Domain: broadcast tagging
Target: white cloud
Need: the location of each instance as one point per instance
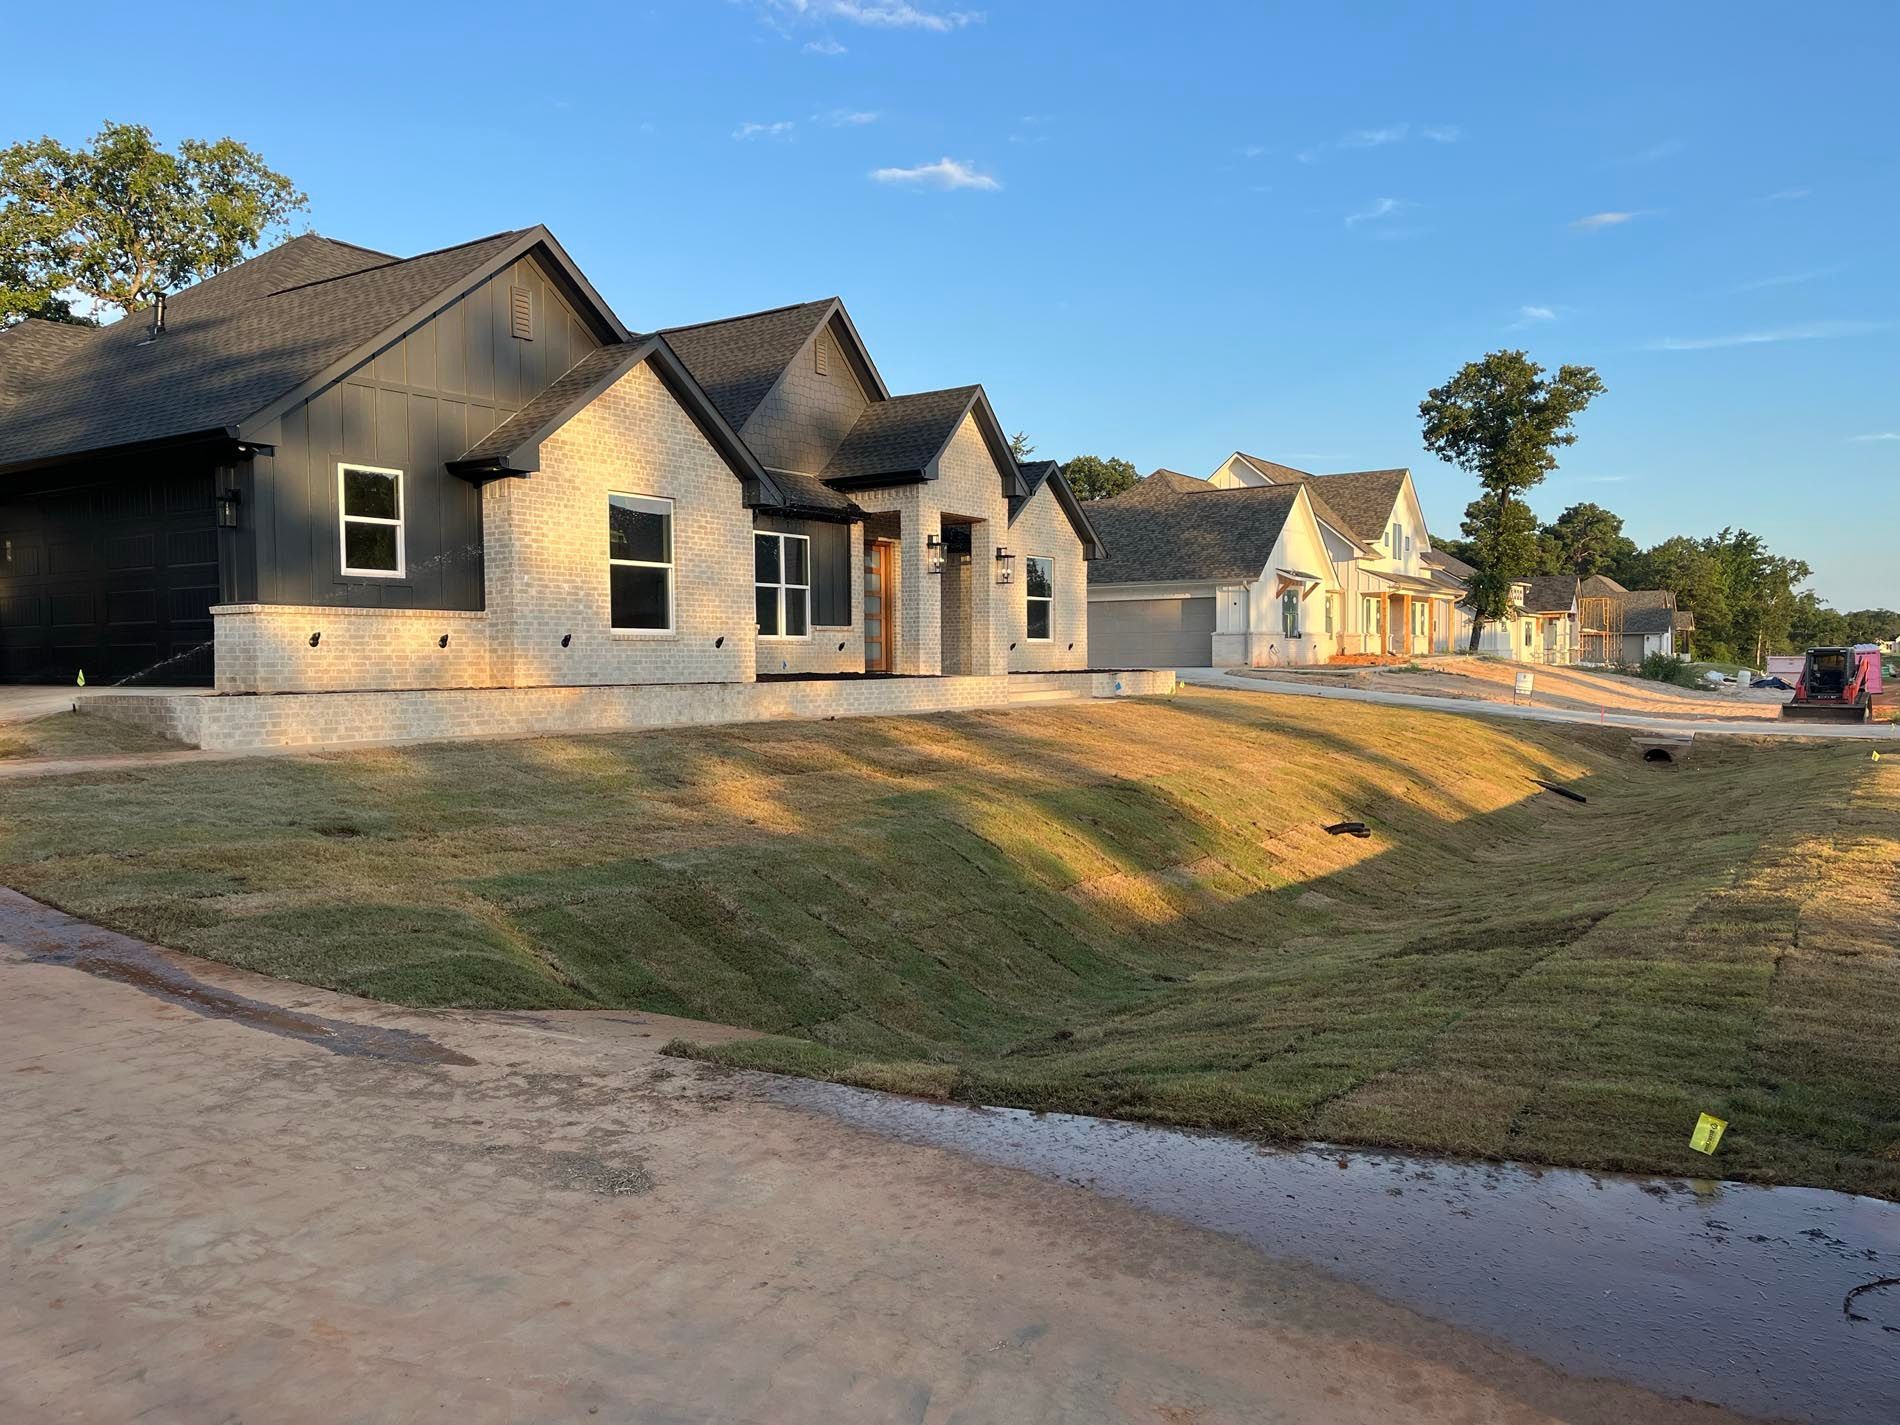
(1596, 222)
(1253, 150)
(1374, 138)
(1380, 138)
(825, 46)
(1808, 331)
(1382, 208)
(1527, 315)
(1786, 279)
(877, 14)
(1787, 195)
(847, 118)
(764, 131)
(946, 173)
(1655, 153)
(1879, 435)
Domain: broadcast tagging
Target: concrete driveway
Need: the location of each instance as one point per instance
(227, 1198)
(1635, 722)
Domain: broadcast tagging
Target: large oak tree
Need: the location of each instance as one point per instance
(119, 221)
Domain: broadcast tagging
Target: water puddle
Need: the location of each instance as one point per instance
(52, 937)
(1781, 1302)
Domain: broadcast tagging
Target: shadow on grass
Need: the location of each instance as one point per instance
(1123, 908)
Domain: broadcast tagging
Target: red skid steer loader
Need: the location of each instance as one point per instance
(1836, 685)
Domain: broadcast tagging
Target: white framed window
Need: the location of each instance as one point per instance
(1369, 615)
(781, 576)
(1398, 539)
(1039, 584)
(1331, 618)
(369, 512)
(640, 563)
(1290, 612)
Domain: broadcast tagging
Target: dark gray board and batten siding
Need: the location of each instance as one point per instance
(831, 565)
(414, 406)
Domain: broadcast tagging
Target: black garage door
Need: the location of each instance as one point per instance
(1151, 633)
(116, 579)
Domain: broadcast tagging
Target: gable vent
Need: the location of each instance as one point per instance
(821, 354)
(520, 313)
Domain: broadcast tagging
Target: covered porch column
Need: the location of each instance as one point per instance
(915, 625)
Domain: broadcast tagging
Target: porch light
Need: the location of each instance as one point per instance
(442, 642)
(227, 502)
(1005, 566)
(933, 554)
(316, 638)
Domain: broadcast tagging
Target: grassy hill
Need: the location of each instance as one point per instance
(1126, 908)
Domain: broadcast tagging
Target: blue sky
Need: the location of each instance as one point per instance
(1157, 231)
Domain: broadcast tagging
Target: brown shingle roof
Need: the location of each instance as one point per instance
(737, 360)
(1156, 487)
(901, 436)
(1450, 563)
(1227, 535)
(1551, 593)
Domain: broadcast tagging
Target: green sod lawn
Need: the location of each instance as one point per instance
(1126, 908)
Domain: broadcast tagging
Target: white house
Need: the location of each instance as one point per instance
(1193, 577)
(1231, 546)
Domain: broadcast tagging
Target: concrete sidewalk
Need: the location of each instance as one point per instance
(1636, 722)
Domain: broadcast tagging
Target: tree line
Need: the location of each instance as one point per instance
(1747, 600)
(1502, 418)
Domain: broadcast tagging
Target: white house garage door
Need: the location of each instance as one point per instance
(1151, 633)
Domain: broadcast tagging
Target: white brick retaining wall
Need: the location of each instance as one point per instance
(263, 722)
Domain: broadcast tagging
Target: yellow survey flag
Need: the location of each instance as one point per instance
(1708, 1133)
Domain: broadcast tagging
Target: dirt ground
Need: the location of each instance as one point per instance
(215, 1214)
(1575, 689)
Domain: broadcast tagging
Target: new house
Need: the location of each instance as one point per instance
(1542, 626)
(1621, 626)
(1262, 564)
(329, 469)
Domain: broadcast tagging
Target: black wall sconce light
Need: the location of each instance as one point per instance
(316, 638)
(227, 502)
(720, 642)
(841, 646)
(442, 642)
(1005, 566)
(567, 640)
(933, 553)
(1012, 648)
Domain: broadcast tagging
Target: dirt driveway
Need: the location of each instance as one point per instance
(1574, 689)
(227, 1198)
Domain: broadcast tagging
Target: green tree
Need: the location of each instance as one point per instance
(1095, 477)
(1686, 568)
(1021, 447)
(1586, 539)
(1872, 626)
(120, 220)
(1815, 625)
(1501, 419)
(1760, 591)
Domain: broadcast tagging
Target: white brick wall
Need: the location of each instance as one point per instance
(546, 550)
(265, 648)
(1041, 528)
(290, 720)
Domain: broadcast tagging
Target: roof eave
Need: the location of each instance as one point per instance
(212, 435)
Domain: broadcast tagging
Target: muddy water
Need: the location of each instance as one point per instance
(52, 937)
(1778, 1302)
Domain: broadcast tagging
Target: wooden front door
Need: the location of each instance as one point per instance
(880, 605)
